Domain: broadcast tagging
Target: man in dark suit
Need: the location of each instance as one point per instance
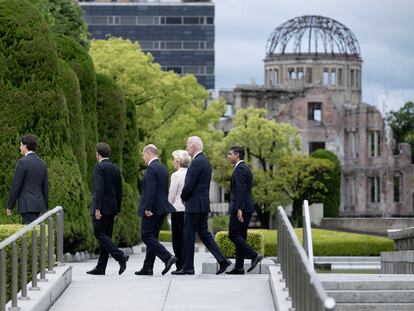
(196, 197)
(153, 208)
(241, 210)
(30, 184)
(106, 205)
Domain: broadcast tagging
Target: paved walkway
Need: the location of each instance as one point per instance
(131, 292)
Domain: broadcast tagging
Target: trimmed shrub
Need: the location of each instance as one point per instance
(333, 243)
(332, 199)
(254, 239)
(165, 236)
(79, 60)
(219, 223)
(111, 116)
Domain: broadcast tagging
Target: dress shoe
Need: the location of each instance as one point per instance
(144, 272)
(223, 266)
(95, 271)
(255, 261)
(122, 264)
(168, 264)
(236, 271)
(183, 272)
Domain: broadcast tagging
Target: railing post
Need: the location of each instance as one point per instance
(24, 269)
(51, 245)
(59, 244)
(42, 253)
(15, 273)
(2, 280)
(34, 260)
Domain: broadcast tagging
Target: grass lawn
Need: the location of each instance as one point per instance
(334, 243)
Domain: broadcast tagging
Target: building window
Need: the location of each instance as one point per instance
(315, 111)
(333, 77)
(325, 76)
(114, 20)
(352, 84)
(374, 144)
(397, 188)
(299, 73)
(352, 145)
(350, 197)
(308, 75)
(358, 78)
(374, 189)
(291, 73)
(315, 145)
(177, 70)
(340, 83)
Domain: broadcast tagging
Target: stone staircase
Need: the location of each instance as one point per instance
(373, 292)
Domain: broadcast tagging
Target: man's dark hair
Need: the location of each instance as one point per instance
(29, 141)
(103, 149)
(239, 150)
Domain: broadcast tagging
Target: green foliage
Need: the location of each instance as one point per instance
(300, 178)
(402, 124)
(5, 232)
(169, 107)
(218, 223)
(165, 236)
(332, 199)
(333, 243)
(80, 61)
(111, 116)
(254, 239)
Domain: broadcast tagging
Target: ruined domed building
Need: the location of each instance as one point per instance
(312, 80)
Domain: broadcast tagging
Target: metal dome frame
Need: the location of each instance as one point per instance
(335, 37)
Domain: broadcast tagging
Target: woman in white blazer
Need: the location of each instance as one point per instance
(181, 162)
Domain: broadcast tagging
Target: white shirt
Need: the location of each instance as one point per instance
(151, 161)
(28, 152)
(103, 159)
(197, 154)
(238, 163)
(176, 187)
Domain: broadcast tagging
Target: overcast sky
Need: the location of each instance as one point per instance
(383, 28)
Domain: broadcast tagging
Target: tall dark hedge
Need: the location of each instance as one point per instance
(333, 197)
(32, 101)
(80, 61)
(111, 125)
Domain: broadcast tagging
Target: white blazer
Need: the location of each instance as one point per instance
(176, 187)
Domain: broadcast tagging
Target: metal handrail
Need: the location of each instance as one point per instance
(12, 240)
(303, 283)
(307, 233)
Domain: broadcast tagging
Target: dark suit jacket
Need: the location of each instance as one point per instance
(154, 196)
(196, 190)
(241, 189)
(30, 185)
(107, 188)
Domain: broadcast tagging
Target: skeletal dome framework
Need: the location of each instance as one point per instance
(312, 34)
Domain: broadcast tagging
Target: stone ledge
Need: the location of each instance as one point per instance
(397, 234)
(280, 294)
(50, 291)
(211, 266)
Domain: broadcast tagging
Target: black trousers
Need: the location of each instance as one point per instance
(177, 228)
(102, 230)
(27, 218)
(238, 235)
(197, 223)
(150, 230)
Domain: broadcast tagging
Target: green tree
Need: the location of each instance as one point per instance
(301, 177)
(266, 143)
(332, 199)
(402, 124)
(169, 107)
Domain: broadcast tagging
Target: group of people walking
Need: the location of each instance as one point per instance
(186, 199)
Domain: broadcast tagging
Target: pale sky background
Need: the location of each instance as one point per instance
(384, 29)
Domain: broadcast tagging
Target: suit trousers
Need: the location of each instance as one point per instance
(150, 230)
(177, 228)
(102, 230)
(27, 218)
(197, 223)
(238, 235)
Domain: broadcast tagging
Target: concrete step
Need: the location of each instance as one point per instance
(374, 307)
(368, 285)
(372, 296)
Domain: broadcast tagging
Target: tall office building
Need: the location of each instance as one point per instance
(178, 33)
